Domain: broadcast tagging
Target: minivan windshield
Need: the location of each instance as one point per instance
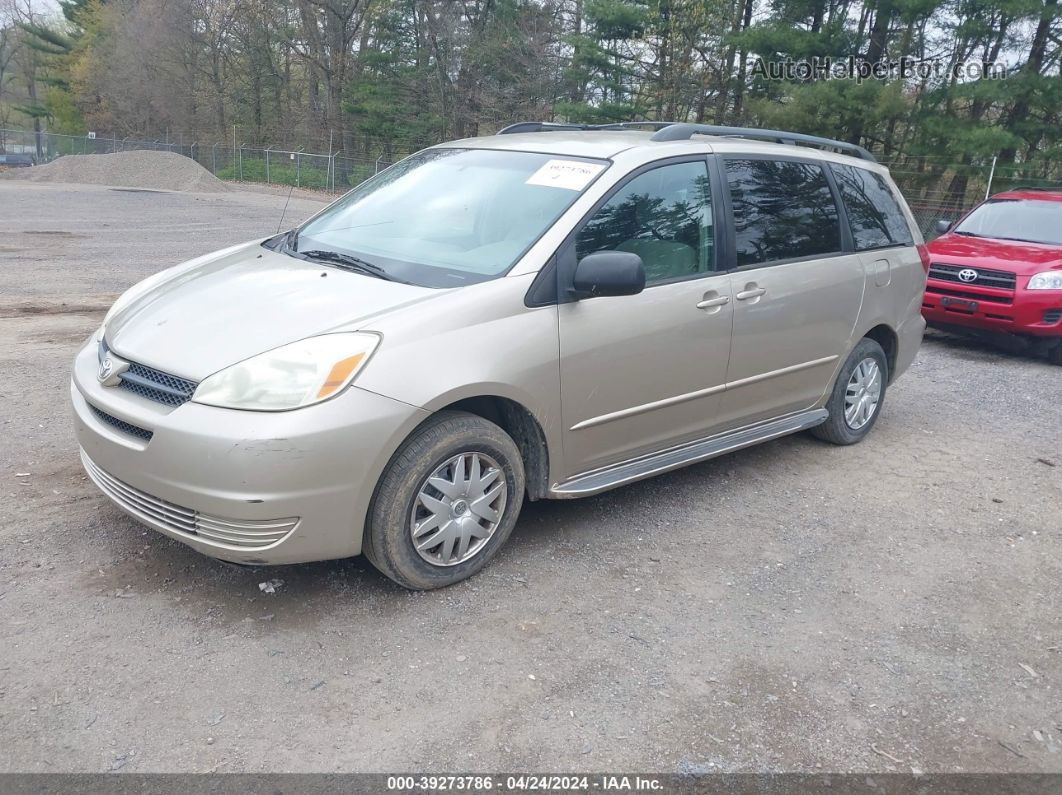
(1027, 220)
(447, 217)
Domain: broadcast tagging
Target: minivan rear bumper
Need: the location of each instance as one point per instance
(247, 487)
(910, 340)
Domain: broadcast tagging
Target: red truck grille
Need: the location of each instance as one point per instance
(1002, 280)
(970, 295)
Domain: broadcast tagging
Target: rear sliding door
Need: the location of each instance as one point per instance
(797, 292)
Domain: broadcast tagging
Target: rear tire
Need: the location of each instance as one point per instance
(858, 395)
(453, 489)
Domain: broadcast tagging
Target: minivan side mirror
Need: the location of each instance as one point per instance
(609, 273)
(943, 225)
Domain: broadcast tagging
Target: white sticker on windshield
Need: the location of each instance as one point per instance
(567, 174)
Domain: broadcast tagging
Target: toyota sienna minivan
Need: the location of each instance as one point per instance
(546, 313)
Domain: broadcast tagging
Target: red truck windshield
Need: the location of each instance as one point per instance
(1026, 220)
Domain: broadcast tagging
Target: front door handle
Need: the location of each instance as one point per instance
(750, 292)
(722, 300)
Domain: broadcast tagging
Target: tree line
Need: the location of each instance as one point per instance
(381, 78)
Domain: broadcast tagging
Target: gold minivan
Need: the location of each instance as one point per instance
(545, 313)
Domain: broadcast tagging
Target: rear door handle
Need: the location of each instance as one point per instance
(754, 292)
(722, 300)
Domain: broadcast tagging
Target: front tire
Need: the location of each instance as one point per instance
(446, 503)
(858, 395)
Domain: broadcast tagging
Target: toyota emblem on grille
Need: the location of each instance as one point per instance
(111, 370)
(968, 275)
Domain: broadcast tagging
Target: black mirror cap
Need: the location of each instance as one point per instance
(609, 273)
(943, 226)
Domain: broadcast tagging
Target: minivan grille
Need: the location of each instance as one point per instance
(147, 382)
(1003, 280)
(122, 425)
(156, 385)
(186, 521)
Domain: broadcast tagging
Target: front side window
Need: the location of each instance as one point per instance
(783, 210)
(450, 217)
(873, 212)
(664, 216)
(1025, 220)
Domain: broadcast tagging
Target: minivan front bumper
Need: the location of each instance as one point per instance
(248, 487)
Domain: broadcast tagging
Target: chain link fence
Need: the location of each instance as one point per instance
(934, 189)
(335, 173)
(937, 191)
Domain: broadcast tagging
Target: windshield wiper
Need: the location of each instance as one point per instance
(1001, 237)
(347, 262)
(1022, 240)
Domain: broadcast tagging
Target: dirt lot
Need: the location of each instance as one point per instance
(795, 606)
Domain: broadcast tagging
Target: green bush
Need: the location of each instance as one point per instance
(360, 173)
(281, 172)
(75, 146)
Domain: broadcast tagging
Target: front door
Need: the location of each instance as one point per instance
(797, 294)
(641, 372)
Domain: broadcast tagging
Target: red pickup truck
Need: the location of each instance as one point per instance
(999, 270)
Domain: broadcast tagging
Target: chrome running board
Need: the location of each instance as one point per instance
(598, 480)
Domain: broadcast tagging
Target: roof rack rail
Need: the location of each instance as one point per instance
(1047, 188)
(550, 126)
(541, 126)
(683, 131)
(625, 125)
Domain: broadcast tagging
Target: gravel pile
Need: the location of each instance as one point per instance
(137, 169)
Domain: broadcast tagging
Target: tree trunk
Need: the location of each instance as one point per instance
(739, 90)
(879, 36)
(1020, 108)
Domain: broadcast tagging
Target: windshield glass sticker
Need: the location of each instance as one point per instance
(567, 174)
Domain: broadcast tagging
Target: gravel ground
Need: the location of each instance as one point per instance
(81, 245)
(795, 606)
(135, 169)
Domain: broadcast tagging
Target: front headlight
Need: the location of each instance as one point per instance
(1048, 280)
(291, 376)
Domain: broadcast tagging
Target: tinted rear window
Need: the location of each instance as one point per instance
(782, 210)
(873, 212)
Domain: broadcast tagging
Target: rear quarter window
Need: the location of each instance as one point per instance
(874, 215)
(783, 209)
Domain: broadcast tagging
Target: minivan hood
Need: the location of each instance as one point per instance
(223, 308)
(1008, 255)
